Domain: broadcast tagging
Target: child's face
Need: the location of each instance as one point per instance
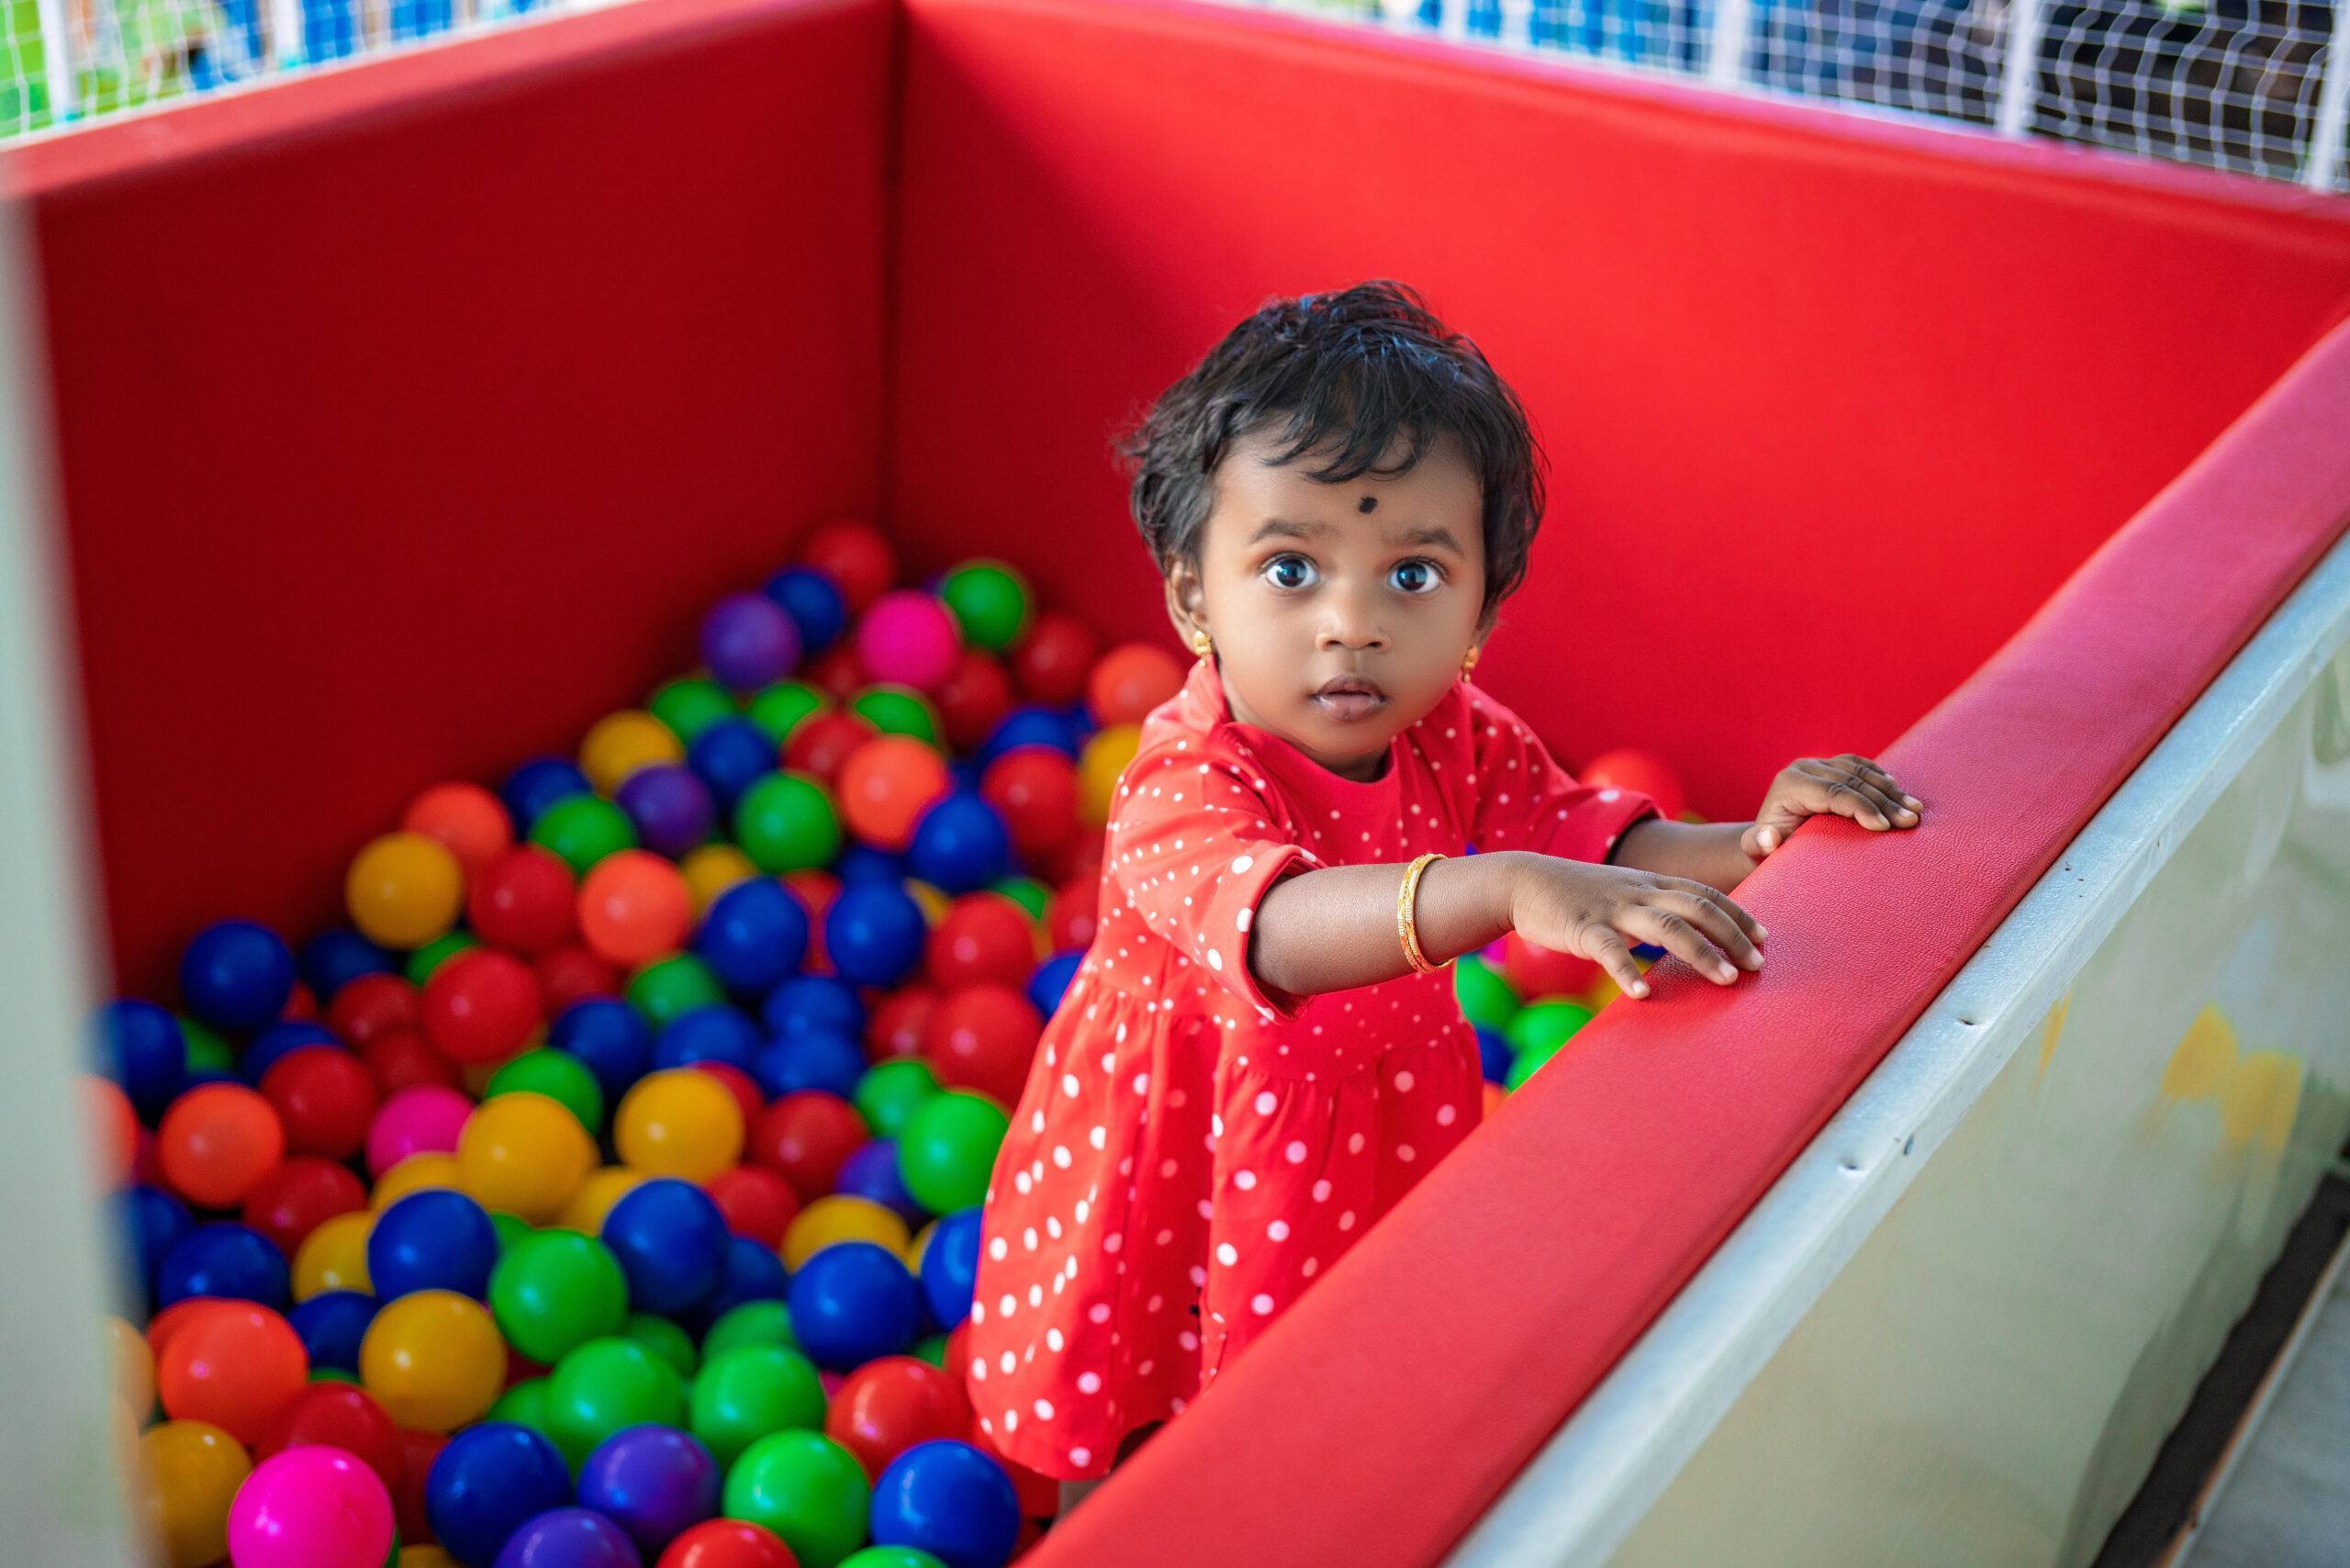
(1340, 612)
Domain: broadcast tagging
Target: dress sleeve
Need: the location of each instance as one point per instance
(1193, 846)
(1526, 800)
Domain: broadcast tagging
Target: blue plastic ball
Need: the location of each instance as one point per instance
(752, 1273)
(874, 934)
(820, 1058)
(237, 975)
(814, 603)
(1050, 982)
(1032, 725)
(569, 1537)
(670, 807)
(279, 1041)
(853, 1301)
(715, 1033)
(140, 1048)
(808, 1003)
(432, 1240)
(671, 1242)
(611, 1038)
(530, 789)
(950, 1500)
(149, 1220)
(730, 756)
(754, 935)
(224, 1259)
(1494, 1056)
(486, 1484)
(332, 959)
(871, 1172)
(863, 863)
(331, 1324)
(950, 1267)
(961, 845)
(655, 1482)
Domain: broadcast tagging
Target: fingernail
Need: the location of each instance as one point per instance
(1761, 931)
(1911, 800)
(1910, 814)
(1769, 837)
(1639, 987)
(1725, 970)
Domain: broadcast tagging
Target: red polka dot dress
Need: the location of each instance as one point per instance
(1192, 1150)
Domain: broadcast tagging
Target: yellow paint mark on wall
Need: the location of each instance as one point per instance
(2049, 1030)
(2262, 1098)
(2205, 1059)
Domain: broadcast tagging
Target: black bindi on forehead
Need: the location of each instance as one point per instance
(1369, 503)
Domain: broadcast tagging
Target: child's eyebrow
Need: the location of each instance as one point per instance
(1429, 533)
(1283, 528)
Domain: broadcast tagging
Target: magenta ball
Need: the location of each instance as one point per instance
(748, 640)
(908, 638)
(422, 1120)
(306, 1506)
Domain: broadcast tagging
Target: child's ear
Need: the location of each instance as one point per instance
(1186, 605)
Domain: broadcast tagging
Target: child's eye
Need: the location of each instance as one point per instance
(1290, 571)
(1416, 576)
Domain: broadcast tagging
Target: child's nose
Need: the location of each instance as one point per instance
(1353, 622)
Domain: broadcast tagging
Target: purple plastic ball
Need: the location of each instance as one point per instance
(749, 641)
(570, 1538)
(872, 1174)
(670, 806)
(655, 1482)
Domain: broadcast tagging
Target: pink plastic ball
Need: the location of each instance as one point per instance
(422, 1120)
(908, 638)
(308, 1506)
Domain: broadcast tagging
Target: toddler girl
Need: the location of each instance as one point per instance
(1262, 1052)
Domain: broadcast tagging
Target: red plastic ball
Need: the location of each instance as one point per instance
(1628, 769)
(301, 1004)
(526, 899)
(482, 1006)
(217, 1142)
(1034, 787)
(973, 699)
(888, 1405)
(757, 1202)
(983, 1038)
(1072, 916)
(325, 1096)
(337, 1415)
(807, 1137)
(1130, 681)
(404, 1058)
(1052, 662)
(1536, 972)
(815, 891)
(372, 1005)
(304, 1194)
(855, 555)
(634, 906)
(823, 742)
(727, 1543)
(574, 974)
(895, 1026)
(740, 1084)
(836, 673)
(236, 1364)
(114, 1129)
(983, 937)
(466, 819)
(417, 1450)
(885, 786)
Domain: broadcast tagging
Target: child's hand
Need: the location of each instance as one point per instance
(1846, 785)
(1575, 906)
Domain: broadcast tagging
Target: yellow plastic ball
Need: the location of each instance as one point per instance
(920, 1247)
(405, 890)
(134, 1368)
(841, 1218)
(334, 1257)
(931, 901)
(523, 1154)
(433, 1170)
(433, 1361)
(425, 1557)
(711, 869)
(595, 1197)
(621, 742)
(679, 1123)
(1104, 758)
(193, 1471)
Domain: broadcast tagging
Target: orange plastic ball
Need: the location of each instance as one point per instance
(405, 891)
(114, 1129)
(134, 1368)
(218, 1143)
(885, 785)
(433, 1361)
(235, 1365)
(1627, 769)
(634, 906)
(464, 819)
(678, 1122)
(1131, 680)
(193, 1471)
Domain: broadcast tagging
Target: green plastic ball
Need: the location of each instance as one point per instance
(525, 1405)
(668, 989)
(690, 707)
(663, 1338)
(606, 1386)
(933, 1349)
(891, 1557)
(433, 955)
(898, 710)
(582, 830)
(778, 708)
(948, 1149)
(1028, 894)
(206, 1050)
(561, 1077)
(890, 1092)
(556, 1290)
(332, 1375)
(1485, 998)
(1546, 1025)
(751, 1392)
(510, 1229)
(806, 1488)
(786, 823)
(752, 1323)
(989, 602)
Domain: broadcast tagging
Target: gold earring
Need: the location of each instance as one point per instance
(1467, 663)
(1201, 644)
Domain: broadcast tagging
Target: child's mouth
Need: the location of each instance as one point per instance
(1348, 698)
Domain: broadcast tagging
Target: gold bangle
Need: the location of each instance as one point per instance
(1406, 921)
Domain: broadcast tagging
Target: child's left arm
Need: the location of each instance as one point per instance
(1721, 854)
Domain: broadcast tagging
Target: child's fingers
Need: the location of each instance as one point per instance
(1714, 916)
(1833, 791)
(1603, 947)
(1652, 923)
(1882, 781)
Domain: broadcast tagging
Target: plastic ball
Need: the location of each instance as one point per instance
(404, 890)
(374, 1005)
(679, 1123)
(325, 1099)
(815, 602)
(852, 1301)
(299, 1196)
(486, 1484)
(755, 1203)
(670, 806)
(233, 1364)
(714, 868)
(960, 843)
(1051, 664)
(114, 1129)
(533, 789)
(633, 906)
(468, 821)
(1035, 790)
(807, 1137)
(619, 744)
(193, 1471)
(908, 638)
(690, 707)
(952, 1501)
(664, 1339)
(856, 558)
(755, 935)
(747, 641)
(874, 934)
(1627, 767)
(973, 700)
(1543, 1027)
(988, 601)
(728, 1543)
(556, 1074)
(729, 757)
(338, 1415)
(593, 1202)
(1131, 680)
(1485, 995)
(277, 1042)
(526, 899)
(556, 1290)
(610, 1038)
(569, 1537)
(708, 1035)
(333, 1258)
(423, 1120)
(655, 1482)
(839, 1217)
(784, 821)
(671, 1243)
(1072, 919)
(894, 1032)
(949, 1149)
(885, 786)
(417, 1453)
(143, 1050)
(871, 1176)
(335, 957)
(983, 1038)
(524, 1154)
(820, 747)
(606, 1387)
(807, 1489)
(426, 961)
(433, 1170)
(1534, 971)
(433, 1241)
(809, 1003)
(482, 1006)
(950, 1267)
(820, 1060)
(889, 1093)
(1051, 982)
(149, 1220)
(310, 1505)
(892, 1557)
(889, 1405)
(583, 830)
(237, 975)
(1494, 1056)
(898, 710)
(779, 710)
(218, 1143)
(740, 1084)
(331, 1324)
(667, 989)
(1098, 769)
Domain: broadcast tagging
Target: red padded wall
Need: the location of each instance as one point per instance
(407, 414)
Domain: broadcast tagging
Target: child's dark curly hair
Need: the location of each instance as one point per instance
(1363, 365)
